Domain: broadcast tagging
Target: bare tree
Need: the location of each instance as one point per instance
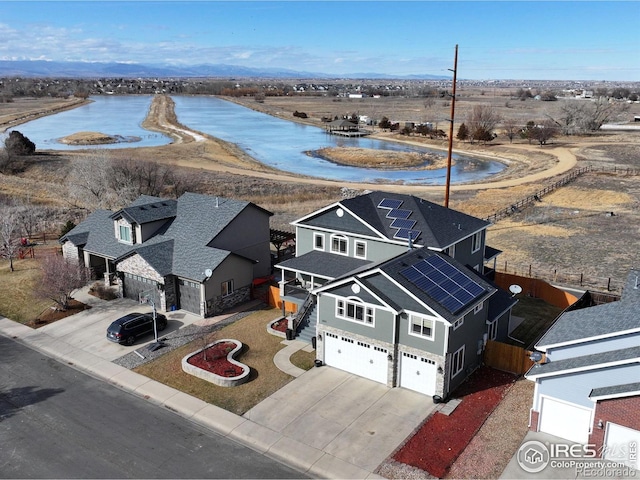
(30, 218)
(579, 117)
(543, 132)
(481, 122)
(89, 181)
(9, 236)
(511, 128)
(60, 277)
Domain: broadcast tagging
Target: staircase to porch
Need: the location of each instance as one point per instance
(307, 327)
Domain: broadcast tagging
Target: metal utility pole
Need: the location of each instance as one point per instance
(453, 111)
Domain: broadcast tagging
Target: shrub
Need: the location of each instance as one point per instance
(100, 290)
(17, 144)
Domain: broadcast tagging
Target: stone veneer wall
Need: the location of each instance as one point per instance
(136, 265)
(219, 304)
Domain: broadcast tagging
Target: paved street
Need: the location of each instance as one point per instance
(56, 422)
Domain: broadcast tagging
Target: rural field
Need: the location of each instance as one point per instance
(569, 231)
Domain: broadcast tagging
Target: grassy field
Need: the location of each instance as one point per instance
(17, 300)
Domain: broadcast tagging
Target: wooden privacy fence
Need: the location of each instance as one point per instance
(508, 358)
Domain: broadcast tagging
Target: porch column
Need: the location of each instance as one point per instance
(107, 273)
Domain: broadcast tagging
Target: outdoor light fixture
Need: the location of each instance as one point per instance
(600, 424)
(389, 357)
(440, 369)
(320, 337)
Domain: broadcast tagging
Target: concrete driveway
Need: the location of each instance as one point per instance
(349, 418)
(87, 330)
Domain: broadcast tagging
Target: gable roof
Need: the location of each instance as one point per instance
(601, 321)
(323, 264)
(179, 247)
(388, 281)
(439, 226)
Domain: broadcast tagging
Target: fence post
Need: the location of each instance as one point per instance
(581, 277)
(529, 270)
(609, 285)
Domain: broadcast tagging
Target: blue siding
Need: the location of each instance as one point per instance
(576, 387)
(589, 348)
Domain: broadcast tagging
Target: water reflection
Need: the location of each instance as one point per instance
(275, 142)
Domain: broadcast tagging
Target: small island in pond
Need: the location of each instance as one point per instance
(381, 159)
(96, 138)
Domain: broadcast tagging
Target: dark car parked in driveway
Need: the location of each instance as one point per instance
(126, 329)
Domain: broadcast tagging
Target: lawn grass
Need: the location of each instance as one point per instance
(259, 348)
(17, 300)
(538, 317)
(304, 360)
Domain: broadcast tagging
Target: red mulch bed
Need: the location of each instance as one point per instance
(216, 360)
(442, 438)
(280, 325)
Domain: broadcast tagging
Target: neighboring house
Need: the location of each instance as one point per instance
(391, 288)
(587, 390)
(198, 253)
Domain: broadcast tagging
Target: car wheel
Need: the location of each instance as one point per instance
(129, 340)
(162, 326)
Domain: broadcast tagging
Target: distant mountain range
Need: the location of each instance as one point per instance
(42, 68)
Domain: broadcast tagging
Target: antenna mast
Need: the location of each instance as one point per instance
(453, 110)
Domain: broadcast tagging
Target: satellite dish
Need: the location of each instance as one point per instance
(535, 356)
(515, 289)
(208, 272)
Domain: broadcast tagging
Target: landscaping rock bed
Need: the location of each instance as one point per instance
(215, 364)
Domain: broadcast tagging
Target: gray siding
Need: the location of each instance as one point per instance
(146, 230)
(470, 334)
(435, 346)
(587, 348)
(383, 321)
(576, 387)
(248, 235)
(463, 252)
(376, 250)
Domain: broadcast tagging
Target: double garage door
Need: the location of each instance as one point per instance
(359, 358)
(565, 420)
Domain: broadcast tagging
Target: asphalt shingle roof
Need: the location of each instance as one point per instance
(615, 390)
(595, 360)
(324, 264)
(179, 247)
(597, 321)
(440, 227)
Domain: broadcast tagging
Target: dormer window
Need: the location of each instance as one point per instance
(125, 234)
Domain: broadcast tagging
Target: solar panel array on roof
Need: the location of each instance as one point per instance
(390, 203)
(402, 223)
(445, 283)
(400, 220)
(399, 213)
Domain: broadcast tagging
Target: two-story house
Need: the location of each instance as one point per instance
(588, 388)
(198, 253)
(391, 287)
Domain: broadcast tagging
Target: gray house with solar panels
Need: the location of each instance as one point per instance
(395, 289)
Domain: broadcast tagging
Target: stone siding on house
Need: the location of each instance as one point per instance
(219, 304)
(136, 265)
(70, 252)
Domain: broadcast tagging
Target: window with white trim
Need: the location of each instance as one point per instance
(355, 311)
(457, 362)
(125, 233)
(478, 307)
(458, 323)
(339, 244)
(318, 241)
(360, 250)
(421, 326)
(227, 288)
(492, 330)
(476, 242)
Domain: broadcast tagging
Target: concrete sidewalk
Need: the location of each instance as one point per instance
(325, 423)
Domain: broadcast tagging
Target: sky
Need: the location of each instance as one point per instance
(531, 40)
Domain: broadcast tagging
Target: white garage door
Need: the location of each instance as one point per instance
(418, 373)
(620, 442)
(565, 420)
(356, 357)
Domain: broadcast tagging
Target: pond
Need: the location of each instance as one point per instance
(273, 141)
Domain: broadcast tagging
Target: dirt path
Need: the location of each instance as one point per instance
(215, 157)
